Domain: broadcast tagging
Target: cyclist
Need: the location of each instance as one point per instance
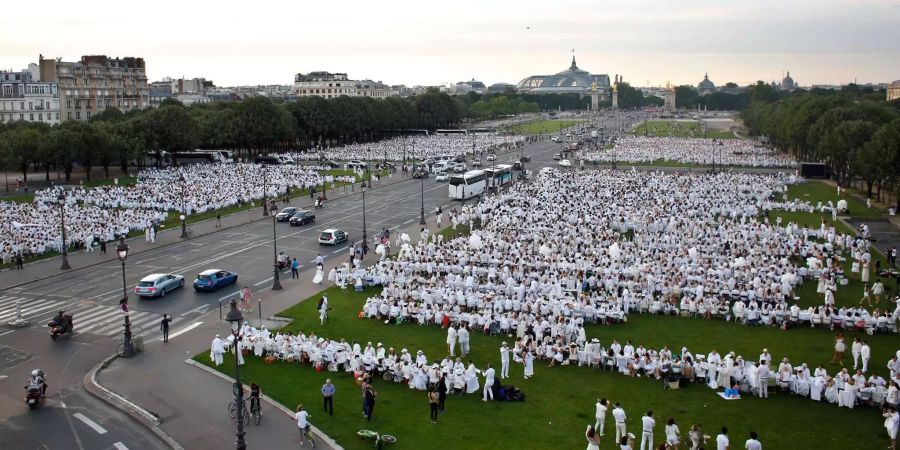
(302, 422)
(254, 398)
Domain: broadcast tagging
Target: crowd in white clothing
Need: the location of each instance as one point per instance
(417, 147)
(726, 152)
(363, 362)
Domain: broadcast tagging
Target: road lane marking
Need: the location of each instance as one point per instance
(120, 446)
(7, 332)
(264, 281)
(183, 330)
(94, 425)
(227, 296)
(200, 309)
(32, 310)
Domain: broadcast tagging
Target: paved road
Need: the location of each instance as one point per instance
(69, 418)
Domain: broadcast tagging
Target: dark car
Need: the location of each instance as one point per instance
(302, 217)
(525, 159)
(517, 165)
(267, 160)
(285, 214)
(420, 172)
(213, 279)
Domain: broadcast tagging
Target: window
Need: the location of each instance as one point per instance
(31, 117)
(41, 117)
(57, 115)
(30, 105)
(78, 115)
(69, 115)
(89, 115)
(21, 116)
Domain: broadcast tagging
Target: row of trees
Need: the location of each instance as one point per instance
(251, 127)
(853, 130)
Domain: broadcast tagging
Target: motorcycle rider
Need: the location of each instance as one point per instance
(37, 380)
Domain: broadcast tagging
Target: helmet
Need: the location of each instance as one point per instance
(35, 372)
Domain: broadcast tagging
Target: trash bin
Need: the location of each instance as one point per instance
(138, 343)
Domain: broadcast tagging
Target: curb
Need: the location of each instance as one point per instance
(322, 436)
(141, 415)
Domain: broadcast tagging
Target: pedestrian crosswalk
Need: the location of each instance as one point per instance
(103, 320)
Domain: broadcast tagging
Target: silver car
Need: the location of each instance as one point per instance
(158, 284)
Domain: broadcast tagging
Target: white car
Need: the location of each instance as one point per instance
(357, 164)
(442, 176)
(565, 163)
(333, 236)
(491, 157)
(158, 284)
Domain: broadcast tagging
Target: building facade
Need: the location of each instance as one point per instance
(333, 85)
(893, 91)
(571, 80)
(23, 96)
(97, 82)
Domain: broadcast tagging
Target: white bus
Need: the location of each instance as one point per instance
(467, 185)
(498, 175)
(451, 132)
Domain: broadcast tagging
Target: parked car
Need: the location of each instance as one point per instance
(158, 284)
(333, 236)
(302, 217)
(442, 176)
(213, 279)
(565, 163)
(285, 214)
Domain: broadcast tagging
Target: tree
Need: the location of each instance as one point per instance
(687, 97)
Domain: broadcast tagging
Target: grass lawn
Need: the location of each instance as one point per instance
(663, 128)
(815, 191)
(560, 400)
(543, 127)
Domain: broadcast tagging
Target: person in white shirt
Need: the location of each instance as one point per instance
(302, 418)
(451, 340)
(504, 362)
(488, 383)
(855, 349)
(647, 424)
(673, 434)
(865, 353)
(619, 416)
(722, 439)
(600, 414)
(463, 334)
(753, 443)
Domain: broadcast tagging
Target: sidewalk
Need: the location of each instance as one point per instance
(49, 267)
(190, 403)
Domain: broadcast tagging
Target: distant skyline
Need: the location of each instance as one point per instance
(649, 42)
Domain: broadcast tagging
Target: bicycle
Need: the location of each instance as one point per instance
(308, 435)
(255, 410)
(232, 411)
(380, 439)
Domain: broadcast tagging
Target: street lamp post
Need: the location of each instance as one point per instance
(276, 281)
(62, 225)
(365, 236)
(265, 205)
(368, 165)
(235, 318)
(422, 190)
(184, 233)
(127, 343)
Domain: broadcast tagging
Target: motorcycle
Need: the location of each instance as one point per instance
(284, 262)
(33, 397)
(60, 327)
(319, 203)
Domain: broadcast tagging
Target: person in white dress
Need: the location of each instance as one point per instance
(529, 364)
(673, 434)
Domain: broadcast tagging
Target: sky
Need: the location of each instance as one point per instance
(421, 42)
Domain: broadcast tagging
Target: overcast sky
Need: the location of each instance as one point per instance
(426, 42)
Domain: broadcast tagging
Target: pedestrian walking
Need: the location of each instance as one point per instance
(328, 390)
(433, 403)
(218, 219)
(442, 392)
(103, 246)
(295, 269)
(19, 262)
(245, 299)
(370, 401)
(164, 326)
